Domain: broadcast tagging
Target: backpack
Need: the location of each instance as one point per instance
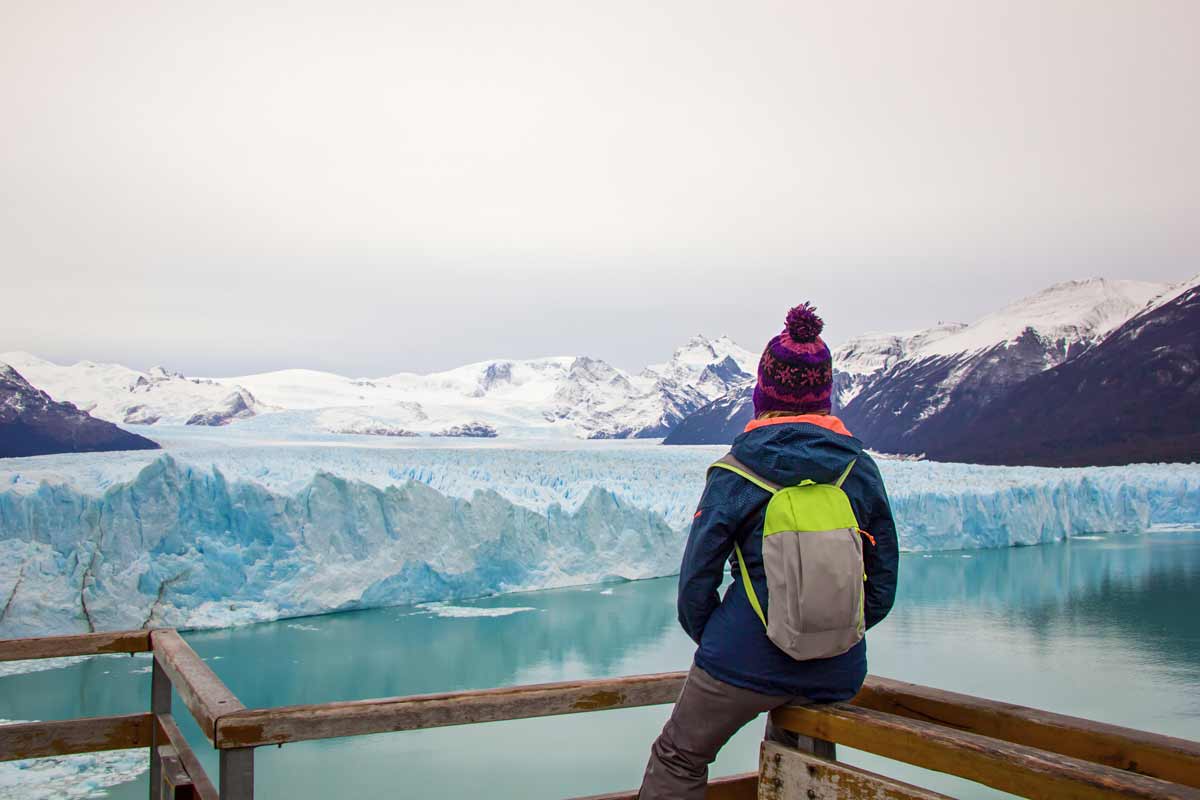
(813, 557)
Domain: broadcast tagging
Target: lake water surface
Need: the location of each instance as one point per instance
(1104, 627)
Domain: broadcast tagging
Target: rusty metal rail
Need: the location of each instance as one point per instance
(1021, 750)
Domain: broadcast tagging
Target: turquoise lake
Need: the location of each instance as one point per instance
(1104, 627)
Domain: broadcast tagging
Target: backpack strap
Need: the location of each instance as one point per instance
(728, 462)
(750, 594)
(846, 473)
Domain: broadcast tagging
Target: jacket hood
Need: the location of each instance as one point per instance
(787, 452)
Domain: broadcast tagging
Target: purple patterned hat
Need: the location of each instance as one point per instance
(795, 372)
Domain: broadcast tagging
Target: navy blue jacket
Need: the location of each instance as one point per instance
(734, 647)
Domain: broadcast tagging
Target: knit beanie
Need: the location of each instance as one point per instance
(795, 372)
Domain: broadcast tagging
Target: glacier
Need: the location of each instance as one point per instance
(222, 530)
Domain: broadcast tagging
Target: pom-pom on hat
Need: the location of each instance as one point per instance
(795, 372)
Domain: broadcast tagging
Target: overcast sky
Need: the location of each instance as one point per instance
(370, 187)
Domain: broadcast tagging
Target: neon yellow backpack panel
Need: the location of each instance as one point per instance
(813, 558)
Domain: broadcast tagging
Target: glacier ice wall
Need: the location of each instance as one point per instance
(172, 543)
(186, 547)
(941, 506)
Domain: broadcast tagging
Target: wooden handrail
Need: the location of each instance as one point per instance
(202, 691)
(1009, 747)
(789, 774)
(1021, 770)
(80, 644)
(70, 736)
(168, 731)
(174, 781)
(257, 727)
(1153, 754)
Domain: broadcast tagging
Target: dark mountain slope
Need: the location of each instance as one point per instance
(921, 402)
(31, 424)
(1135, 397)
(716, 422)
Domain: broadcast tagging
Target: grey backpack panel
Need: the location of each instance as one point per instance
(815, 586)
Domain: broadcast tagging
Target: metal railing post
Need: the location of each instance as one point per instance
(237, 774)
(160, 703)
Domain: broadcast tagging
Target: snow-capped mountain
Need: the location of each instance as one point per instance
(573, 396)
(1067, 318)
(128, 396)
(1133, 397)
(665, 394)
(907, 394)
(712, 366)
(861, 358)
(31, 423)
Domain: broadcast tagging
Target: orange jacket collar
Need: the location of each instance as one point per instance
(826, 421)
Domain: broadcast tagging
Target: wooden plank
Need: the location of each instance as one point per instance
(736, 787)
(168, 731)
(1159, 756)
(789, 774)
(817, 747)
(83, 644)
(1014, 768)
(237, 774)
(160, 703)
(732, 787)
(329, 720)
(176, 783)
(202, 691)
(67, 737)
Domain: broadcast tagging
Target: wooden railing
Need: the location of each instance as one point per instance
(1020, 750)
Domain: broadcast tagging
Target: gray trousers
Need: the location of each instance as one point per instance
(707, 714)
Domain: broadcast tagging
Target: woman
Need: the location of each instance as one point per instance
(738, 671)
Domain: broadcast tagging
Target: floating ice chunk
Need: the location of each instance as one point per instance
(465, 612)
(39, 665)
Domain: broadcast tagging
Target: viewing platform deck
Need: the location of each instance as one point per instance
(1023, 751)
